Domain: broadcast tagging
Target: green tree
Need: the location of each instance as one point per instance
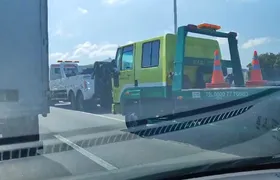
(270, 66)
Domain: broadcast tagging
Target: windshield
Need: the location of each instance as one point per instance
(129, 86)
(71, 70)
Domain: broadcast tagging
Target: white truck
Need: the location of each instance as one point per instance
(85, 90)
(24, 66)
(67, 84)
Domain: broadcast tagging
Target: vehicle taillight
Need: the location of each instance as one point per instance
(85, 84)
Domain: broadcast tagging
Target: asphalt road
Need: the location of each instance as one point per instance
(82, 142)
(71, 126)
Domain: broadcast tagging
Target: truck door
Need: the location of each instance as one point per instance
(125, 66)
(55, 77)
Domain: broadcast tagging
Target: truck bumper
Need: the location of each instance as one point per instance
(58, 95)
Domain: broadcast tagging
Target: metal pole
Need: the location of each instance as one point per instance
(175, 15)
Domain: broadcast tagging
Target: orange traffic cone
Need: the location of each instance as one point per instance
(217, 75)
(256, 78)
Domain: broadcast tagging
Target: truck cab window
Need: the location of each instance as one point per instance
(55, 73)
(118, 58)
(155, 53)
(146, 55)
(150, 54)
(127, 58)
(71, 71)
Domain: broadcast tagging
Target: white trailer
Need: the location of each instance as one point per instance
(24, 83)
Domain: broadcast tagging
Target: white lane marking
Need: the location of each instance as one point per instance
(103, 116)
(87, 154)
(211, 124)
(276, 129)
(107, 117)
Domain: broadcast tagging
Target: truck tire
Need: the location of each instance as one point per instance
(80, 103)
(133, 116)
(132, 120)
(21, 130)
(72, 100)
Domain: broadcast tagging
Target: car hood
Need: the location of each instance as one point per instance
(194, 160)
(48, 167)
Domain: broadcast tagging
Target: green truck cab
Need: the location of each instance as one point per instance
(151, 75)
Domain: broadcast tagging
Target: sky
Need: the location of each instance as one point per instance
(91, 30)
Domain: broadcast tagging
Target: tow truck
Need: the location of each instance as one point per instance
(85, 90)
(149, 76)
(66, 84)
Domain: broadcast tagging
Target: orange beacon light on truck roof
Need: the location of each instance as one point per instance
(208, 26)
(60, 61)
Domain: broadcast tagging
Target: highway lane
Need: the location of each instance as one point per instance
(104, 157)
(67, 123)
(62, 118)
(96, 153)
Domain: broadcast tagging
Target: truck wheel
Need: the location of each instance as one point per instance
(132, 120)
(73, 101)
(80, 102)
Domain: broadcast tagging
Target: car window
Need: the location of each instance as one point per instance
(127, 58)
(150, 54)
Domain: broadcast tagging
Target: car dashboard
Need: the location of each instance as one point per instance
(273, 174)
